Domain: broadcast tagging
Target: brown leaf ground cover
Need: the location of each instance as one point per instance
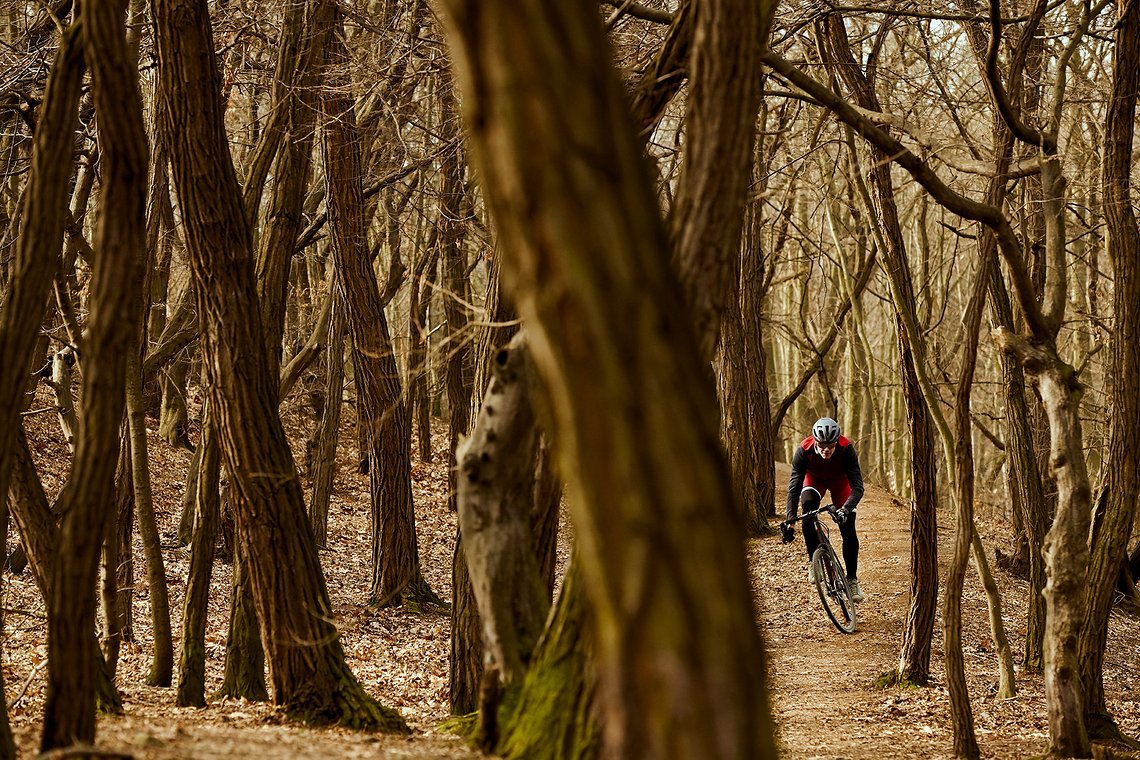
(824, 697)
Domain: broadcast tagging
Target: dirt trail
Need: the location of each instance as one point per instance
(822, 683)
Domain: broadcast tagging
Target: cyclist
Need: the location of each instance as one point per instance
(826, 461)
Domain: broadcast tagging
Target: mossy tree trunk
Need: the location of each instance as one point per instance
(551, 714)
(310, 677)
(681, 671)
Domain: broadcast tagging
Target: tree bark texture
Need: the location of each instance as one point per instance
(1111, 545)
(195, 607)
(914, 659)
(44, 210)
(635, 423)
(309, 674)
(723, 100)
(496, 494)
(112, 332)
(395, 557)
(552, 714)
(243, 675)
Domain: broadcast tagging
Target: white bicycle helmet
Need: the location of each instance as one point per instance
(825, 430)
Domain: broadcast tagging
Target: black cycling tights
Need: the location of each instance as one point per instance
(809, 502)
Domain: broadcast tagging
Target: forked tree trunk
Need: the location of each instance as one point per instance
(1111, 544)
(112, 330)
(396, 576)
(965, 740)
(310, 677)
(634, 413)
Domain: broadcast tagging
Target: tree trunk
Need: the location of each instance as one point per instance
(552, 716)
(112, 328)
(496, 495)
(324, 469)
(546, 513)
(583, 240)
(195, 608)
(914, 659)
(965, 740)
(396, 573)
(1111, 544)
(162, 665)
(244, 673)
(310, 677)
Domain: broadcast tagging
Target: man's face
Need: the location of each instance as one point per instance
(826, 450)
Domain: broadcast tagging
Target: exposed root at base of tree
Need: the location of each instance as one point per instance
(349, 707)
(894, 679)
(415, 597)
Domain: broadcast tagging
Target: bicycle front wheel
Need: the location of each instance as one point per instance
(834, 593)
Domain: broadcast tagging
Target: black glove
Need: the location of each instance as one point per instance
(842, 515)
(787, 533)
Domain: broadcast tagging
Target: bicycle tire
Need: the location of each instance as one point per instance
(834, 593)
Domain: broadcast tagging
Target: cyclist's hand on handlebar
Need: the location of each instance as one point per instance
(787, 533)
(842, 515)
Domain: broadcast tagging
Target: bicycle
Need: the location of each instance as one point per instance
(830, 577)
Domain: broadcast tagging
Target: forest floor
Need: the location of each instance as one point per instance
(822, 683)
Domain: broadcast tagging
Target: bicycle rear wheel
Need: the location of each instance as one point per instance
(834, 593)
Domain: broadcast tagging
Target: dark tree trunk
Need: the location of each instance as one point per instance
(1110, 547)
(324, 468)
(419, 409)
(192, 662)
(112, 331)
(395, 558)
(914, 659)
(310, 678)
(580, 227)
(244, 673)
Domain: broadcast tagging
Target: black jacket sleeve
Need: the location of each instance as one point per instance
(796, 481)
(854, 478)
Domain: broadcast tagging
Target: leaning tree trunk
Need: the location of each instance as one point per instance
(1111, 546)
(324, 468)
(914, 659)
(112, 328)
(396, 573)
(634, 413)
(310, 677)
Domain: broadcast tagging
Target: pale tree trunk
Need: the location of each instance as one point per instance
(396, 576)
(634, 413)
(310, 677)
(1111, 543)
(496, 493)
(112, 328)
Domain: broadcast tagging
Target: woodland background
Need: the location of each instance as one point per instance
(713, 220)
